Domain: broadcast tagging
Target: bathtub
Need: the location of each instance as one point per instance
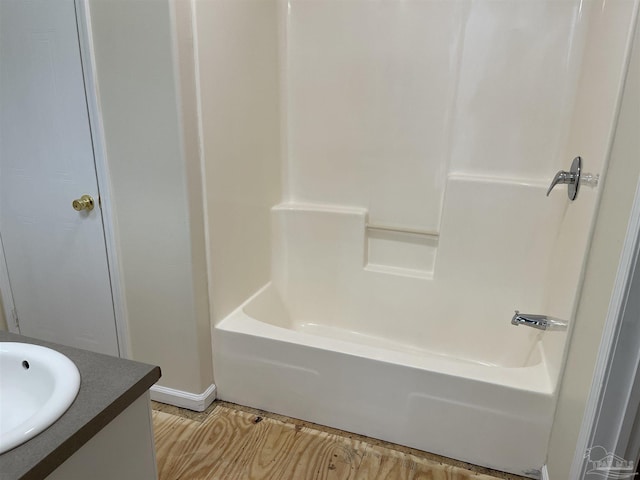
(403, 334)
(490, 415)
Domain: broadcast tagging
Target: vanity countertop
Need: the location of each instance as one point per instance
(108, 385)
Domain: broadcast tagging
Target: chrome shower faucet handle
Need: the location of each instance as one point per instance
(571, 178)
(574, 178)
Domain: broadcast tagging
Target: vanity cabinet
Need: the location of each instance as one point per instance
(106, 433)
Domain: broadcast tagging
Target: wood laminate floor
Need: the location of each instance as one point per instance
(232, 442)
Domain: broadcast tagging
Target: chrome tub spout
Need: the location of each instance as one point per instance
(541, 322)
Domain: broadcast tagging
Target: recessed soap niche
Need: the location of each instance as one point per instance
(400, 251)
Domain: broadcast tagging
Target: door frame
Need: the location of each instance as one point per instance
(85, 41)
(103, 177)
(6, 294)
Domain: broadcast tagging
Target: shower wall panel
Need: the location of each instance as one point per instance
(238, 66)
(517, 82)
(370, 89)
(385, 98)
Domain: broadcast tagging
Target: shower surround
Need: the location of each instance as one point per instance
(376, 175)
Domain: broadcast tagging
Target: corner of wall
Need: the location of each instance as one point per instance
(189, 125)
(147, 99)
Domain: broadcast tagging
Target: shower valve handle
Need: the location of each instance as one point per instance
(571, 178)
(561, 178)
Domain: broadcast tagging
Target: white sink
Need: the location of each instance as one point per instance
(37, 385)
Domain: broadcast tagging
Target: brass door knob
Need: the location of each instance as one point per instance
(85, 202)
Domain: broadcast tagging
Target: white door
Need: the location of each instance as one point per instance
(56, 256)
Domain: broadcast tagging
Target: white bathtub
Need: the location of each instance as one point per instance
(495, 416)
(406, 336)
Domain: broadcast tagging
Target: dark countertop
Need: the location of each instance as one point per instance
(108, 385)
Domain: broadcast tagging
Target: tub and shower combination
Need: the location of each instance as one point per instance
(425, 357)
(380, 266)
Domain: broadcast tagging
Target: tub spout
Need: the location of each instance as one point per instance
(541, 322)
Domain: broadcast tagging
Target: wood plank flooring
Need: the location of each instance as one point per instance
(233, 442)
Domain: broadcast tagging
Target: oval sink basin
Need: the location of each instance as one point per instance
(37, 385)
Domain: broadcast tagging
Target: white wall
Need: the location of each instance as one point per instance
(516, 88)
(601, 76)
(369, 90)
(238, 65)
(147, 97)
(618, 192)
(188, 108)
(384, 99)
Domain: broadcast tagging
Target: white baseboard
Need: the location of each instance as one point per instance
(192, 401)
(545, 473)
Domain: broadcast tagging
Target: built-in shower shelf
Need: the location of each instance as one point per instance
(404, 272)
(398, 229)
(317, 242)
(402, 251)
